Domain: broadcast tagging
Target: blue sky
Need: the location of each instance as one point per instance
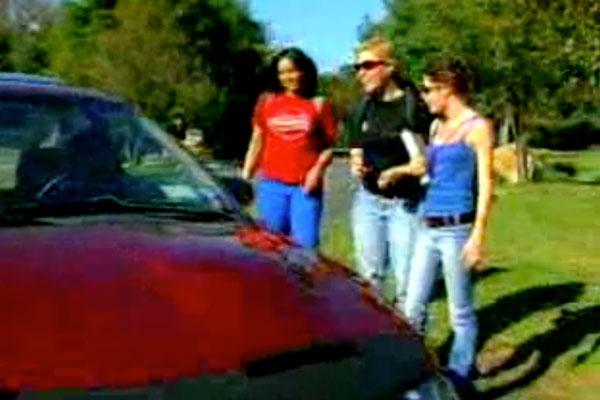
(325, 29)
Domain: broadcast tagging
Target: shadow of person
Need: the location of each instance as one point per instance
(514, 307)
(570, 328)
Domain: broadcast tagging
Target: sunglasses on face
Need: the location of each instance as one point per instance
(368, 65)
(425, 89)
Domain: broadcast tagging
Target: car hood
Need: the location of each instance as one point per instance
(105, 305)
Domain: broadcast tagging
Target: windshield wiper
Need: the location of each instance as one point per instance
(108, 204)
(182, 211)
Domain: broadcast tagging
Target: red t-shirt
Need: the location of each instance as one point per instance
(295, 131)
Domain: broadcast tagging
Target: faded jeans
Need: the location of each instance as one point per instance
(384, 233)
(445, 244)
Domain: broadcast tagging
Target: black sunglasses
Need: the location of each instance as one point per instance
(428, 89)
(369, 64)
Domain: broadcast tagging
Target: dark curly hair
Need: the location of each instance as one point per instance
(304, 64)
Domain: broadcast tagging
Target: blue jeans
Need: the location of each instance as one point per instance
(445, 244)
(384, 233)
(288, 210)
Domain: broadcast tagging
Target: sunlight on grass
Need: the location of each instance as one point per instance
(539, 301)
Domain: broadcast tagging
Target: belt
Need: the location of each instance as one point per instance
(450, 220)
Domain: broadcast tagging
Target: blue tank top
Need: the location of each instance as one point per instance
(452, 171)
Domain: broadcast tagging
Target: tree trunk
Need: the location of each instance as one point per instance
(507, 126)
(521, 148)
(511, 130)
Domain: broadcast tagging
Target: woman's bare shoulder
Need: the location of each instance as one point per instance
(481, 132)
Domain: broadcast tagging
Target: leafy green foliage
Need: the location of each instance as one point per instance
(73, 43)
(23, 33)
(344, 92)
(5, 48)
(539, 56)
(224, 45)
(573, 134)
(200, 62)
(187, 63)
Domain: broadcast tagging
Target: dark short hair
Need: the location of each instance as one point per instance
(452, 71)
(304, 64)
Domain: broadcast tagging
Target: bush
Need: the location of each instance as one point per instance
(568, 135)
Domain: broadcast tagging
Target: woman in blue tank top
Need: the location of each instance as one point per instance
(456, 209)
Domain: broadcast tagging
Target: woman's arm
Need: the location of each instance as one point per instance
(314, 176)
(253, 153)
(357, 164)
(416, 166)
(328, 125)
(481, 140)
(420, 121)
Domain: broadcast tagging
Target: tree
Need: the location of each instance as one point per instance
(221, 40)
(73, 42)
(5, 47)
(191, 60)
(344, 92)
(23, 31)
(529, 54)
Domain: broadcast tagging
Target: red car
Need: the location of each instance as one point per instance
(127, 270)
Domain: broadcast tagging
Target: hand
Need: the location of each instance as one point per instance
(313, 180)
(472, 252)
(245, 174)
(387, 177)
(357, 165)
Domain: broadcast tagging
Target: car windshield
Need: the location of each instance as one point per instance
(66, 150)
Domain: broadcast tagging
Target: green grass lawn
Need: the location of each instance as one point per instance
(539, 299)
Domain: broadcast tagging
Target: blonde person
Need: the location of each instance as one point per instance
(387, 158)
(293, 132)
(455, 209)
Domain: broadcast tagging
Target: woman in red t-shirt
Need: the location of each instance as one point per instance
(293, 132)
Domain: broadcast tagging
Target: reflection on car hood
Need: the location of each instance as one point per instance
(106, 305)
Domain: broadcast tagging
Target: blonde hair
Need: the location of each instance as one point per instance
(383, 48)
(379, 46)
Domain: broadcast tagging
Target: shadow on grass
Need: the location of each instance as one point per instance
(569, 330)
(514, 307)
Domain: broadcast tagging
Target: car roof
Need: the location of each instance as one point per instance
(27, 85)
(28, 79)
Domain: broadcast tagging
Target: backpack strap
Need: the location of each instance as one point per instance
(362, 111)
(433, 128)
(410, 106)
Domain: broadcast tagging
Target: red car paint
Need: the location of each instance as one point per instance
(103, 305)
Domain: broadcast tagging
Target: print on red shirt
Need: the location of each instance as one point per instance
(291, 124)
(295, 132)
